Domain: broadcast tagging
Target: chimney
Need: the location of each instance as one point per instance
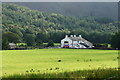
(71, 35)
(74, 35)
(80, 36)
(66, 36)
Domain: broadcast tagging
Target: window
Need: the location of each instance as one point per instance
(66, 42)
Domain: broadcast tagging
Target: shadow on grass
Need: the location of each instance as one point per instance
(99, 74)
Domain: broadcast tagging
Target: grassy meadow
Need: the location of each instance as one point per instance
(56, 61)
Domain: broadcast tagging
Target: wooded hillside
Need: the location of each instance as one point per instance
(51, 26)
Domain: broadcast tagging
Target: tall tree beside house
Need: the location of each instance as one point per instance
(5, 43)
(12, 37)
(17, 31)
(115, 40)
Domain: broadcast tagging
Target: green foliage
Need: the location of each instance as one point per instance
(12, 37)
(5, 43)
(115, 41)
(21, 44)
(52, 26)
(102, 45)
(43, 37)
(39, 43)
(104, 20)
(17, 31)
(29, 39)
(50, 43)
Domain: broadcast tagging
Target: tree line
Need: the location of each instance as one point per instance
(40, 38)
(21, 24)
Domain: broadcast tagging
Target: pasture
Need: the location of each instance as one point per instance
(56, 60)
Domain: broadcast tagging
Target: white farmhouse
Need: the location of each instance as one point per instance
(75, 42)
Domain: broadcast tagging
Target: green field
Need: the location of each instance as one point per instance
(47, 60)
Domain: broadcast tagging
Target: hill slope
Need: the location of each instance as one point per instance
(98, 9)
(24, 20)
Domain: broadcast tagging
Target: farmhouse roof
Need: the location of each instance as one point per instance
(12, 44)
(80, 39)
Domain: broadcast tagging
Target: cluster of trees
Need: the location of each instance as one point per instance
(115, 40)
(21, 24)
(9, 37)
(30, 40)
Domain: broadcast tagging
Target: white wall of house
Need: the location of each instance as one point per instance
(73, 44)
(76, 44)
(66, 39)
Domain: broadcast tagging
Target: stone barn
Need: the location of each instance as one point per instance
(12, 45)
(75, 42)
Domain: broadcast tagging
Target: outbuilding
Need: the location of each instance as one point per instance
(12, 45)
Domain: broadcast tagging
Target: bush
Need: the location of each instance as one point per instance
(50, 44)
(5, 44)
(101, 45)
(115, 40)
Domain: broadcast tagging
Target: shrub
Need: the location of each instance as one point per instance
(50, 44)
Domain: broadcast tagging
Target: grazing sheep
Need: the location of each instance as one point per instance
(59, 60)
(56, 68)
(38, 70)
(117, 57)
(90, 59)
(27, 71)
(50, 68)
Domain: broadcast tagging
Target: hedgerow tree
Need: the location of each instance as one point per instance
(5, 43)
(50, 43)
(30, 39)
(17, 31)
(42, 37)
(115, 40)
(12, 37)
(39, 42)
